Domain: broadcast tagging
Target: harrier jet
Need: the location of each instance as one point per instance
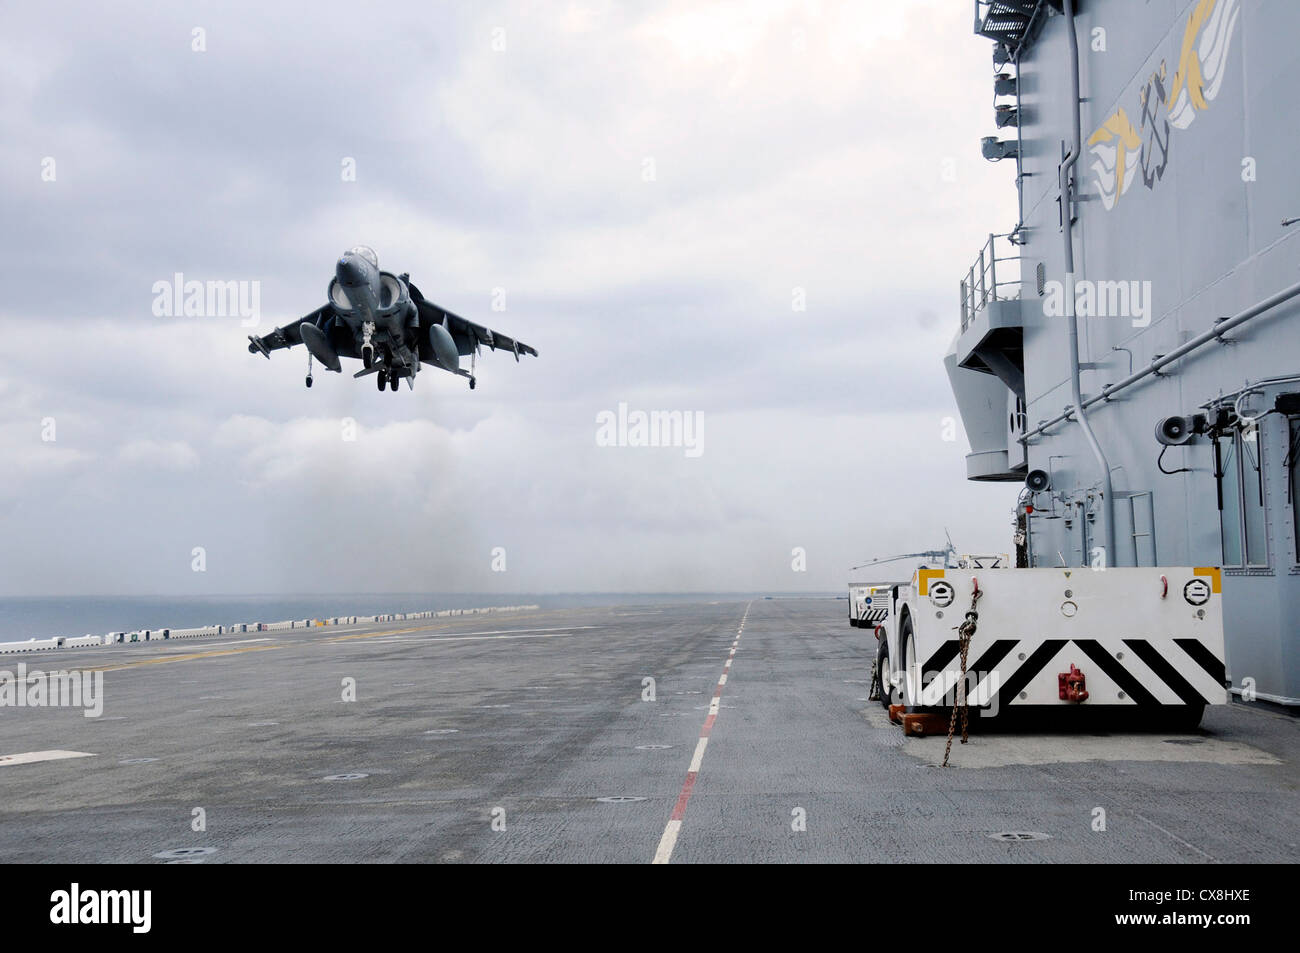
(383, 321)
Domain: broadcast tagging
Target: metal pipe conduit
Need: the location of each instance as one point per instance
(1065, 185)
(1215, 333)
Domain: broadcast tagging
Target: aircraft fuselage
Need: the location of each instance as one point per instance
(377, 308)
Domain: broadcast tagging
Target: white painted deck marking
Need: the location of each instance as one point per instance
(32, 757)
(668, 841)
(465, 638)
(698, 758)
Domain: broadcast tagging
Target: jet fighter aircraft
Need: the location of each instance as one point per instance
(382, 320)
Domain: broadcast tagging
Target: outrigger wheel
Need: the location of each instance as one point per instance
(472, 383)
(308, 380)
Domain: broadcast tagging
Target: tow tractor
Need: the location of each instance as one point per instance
(1143, 644)
(869, 604)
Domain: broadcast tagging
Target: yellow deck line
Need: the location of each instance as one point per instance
(174, 658)
(371, 635)
(435, 627)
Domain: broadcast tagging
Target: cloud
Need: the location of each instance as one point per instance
(175, 455)
(754, 211)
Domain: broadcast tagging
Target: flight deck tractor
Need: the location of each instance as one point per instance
(869, 604)
(1144, 645)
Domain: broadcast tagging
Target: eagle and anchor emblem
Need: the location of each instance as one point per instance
(1121, 152)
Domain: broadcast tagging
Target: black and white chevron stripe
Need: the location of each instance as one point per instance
(1184, 673)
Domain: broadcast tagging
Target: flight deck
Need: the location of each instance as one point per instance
(712, 732)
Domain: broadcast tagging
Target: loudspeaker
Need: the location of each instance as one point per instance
(1038, 480)
(1288, 404)
(1174, 431)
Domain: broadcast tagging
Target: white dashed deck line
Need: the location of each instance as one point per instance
(698, 758)
(668, 840)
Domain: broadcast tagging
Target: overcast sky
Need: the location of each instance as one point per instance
(652, 185)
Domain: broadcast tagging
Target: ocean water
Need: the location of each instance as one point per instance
(42, 617)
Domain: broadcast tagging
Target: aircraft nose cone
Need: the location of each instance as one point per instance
(349, 271)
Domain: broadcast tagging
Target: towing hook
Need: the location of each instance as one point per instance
(1071, 685)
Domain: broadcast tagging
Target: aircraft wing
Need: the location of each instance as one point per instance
(466, 333)
(288, 335)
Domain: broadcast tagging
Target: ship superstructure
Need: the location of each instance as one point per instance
(1128, 352)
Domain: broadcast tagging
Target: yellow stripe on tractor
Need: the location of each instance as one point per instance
(925, 576)
(1215, 574)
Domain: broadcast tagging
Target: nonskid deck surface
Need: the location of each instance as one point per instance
(528, 738)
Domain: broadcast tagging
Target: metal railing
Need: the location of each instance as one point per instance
(1008, 22)
(983, 284)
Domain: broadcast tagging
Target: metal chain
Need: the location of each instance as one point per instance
(965, 632)
(873, 695)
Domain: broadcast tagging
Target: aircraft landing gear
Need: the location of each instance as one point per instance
(393, 382)
(473, 355)
(309, 368)
(308, 380)
(473, 382)
(381, 379)
(367, 349)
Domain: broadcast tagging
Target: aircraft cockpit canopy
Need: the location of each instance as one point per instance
(366, 252)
